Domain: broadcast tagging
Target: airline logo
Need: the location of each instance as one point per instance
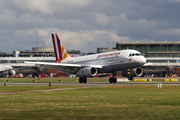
(59, 50)
(130, 59)
(108, 55)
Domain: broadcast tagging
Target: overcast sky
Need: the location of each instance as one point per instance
(86, 24)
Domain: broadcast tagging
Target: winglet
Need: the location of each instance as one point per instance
(59, 49)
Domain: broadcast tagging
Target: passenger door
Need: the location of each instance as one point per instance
(122, 56)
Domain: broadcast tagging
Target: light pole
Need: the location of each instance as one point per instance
(43, 51)
(100, 49)
(167, 56)
(108, 45)
(10, 47)
(113, 44)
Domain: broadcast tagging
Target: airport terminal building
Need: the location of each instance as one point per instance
(165, 56)
(41, 54)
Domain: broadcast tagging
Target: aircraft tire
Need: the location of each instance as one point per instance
(130, 78)
(115, 80)
(80, 80)
(84, 80)
(110, 80)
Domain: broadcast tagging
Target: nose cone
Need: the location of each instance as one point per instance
(142, 61)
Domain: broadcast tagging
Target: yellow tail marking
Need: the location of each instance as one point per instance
(65, 55)
(62, 50)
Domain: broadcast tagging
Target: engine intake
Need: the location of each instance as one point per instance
(137, 72)
(12, 72)
(87, 72)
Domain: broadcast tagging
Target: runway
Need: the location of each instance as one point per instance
(82, 85)
(91, 84)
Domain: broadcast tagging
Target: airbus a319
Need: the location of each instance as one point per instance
(128, 61)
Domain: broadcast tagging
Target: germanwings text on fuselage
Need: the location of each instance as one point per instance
(107, 55)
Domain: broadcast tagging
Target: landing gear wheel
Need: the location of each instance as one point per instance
(112, 80)
(115, 80)
(82, 80)
(130, 78)
(85, 80)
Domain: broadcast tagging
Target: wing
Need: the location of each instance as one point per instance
(148, 64)
(5, 68)
(70, 68)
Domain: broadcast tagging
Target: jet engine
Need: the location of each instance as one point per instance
(137, 72)
(12, 72)
(87, 72)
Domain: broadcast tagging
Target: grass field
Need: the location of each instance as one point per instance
(28, 88)
(128, 102)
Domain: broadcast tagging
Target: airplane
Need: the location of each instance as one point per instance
(4, 68)
(128, 61)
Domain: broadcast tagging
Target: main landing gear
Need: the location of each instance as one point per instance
(113, 79)
(130, 78)
(82, 80)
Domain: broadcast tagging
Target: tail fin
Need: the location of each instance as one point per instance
(59, 50)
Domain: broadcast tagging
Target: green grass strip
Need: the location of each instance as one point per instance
(122, 103)
(28, 88)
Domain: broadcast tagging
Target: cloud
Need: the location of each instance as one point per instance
(35, 6)
(173, 0)
(101, 18)
(81, 40)
(84, 24)
(74, 3)
(172, 32)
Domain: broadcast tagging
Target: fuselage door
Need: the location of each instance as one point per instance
(122, 56)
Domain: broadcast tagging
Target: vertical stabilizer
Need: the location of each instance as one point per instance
(59, 49)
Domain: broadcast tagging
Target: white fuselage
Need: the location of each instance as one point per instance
(111, 61)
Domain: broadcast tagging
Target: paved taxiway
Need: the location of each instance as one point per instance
(82, 85)
(93, 84)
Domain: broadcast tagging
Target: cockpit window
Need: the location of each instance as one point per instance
(135, 54)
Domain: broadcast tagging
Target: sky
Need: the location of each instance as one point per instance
(86, 24)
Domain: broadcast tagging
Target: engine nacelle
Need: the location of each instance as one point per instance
(137, 72)
(87, 72)
(12, 72)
